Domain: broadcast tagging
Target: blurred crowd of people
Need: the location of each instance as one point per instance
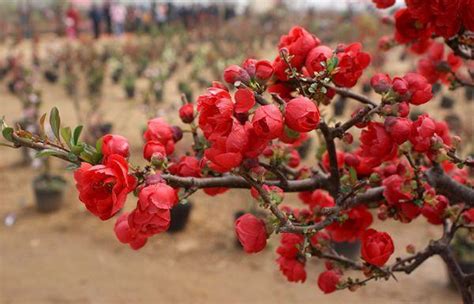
(113, 17)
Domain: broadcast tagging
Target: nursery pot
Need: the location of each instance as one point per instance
(48, 191)
(51, 76)
(304, 148)
(130, 92)
(180, 217)
(347, 249)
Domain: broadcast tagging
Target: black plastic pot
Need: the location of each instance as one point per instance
(347, 249)
(339, 106)
(436, 87)
(48, 192)
(130, 92)
(51, 76)
(304, 148)
(366, 88)
(469, 94)
(180, 217)
(446, 102)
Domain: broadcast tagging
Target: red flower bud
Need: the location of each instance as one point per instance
(251, 233)
(115, 144)
(301, 114)
(186, 113)
(328, 280)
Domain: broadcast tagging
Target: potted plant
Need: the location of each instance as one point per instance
(180, 216)
(129, 85)
(48, 190)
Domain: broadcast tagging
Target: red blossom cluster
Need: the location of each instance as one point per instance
(246, 133)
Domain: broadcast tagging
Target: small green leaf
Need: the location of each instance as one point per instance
(7, 133)
(353, 174)
(98, 145)
(55, 122)
(76, 135)
(72, 167)
(66, 134)
(77, 149)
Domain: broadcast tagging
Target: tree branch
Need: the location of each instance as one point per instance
(445, 185)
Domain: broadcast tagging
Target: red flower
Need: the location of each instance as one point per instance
(267, 121)
(409, 28)
(468, 216)
(244, 100)
(152, 214)
(446, 20)
(153, 148)
(397, 189)
(215, 112)
(294, 159)
(251, 233)
(263, 69)
(383, 3)
(186, 113)
(434, 211)
(422, 131)
(281, 90)
(158, 130)
(103, 188)
(235, 73)
(320, 199)
(157, 196)
(377, 247)
(419, 89)
(298, 42)
(376, 143)
(358, 220)
(127, 235)
(468, 15)
(398, 128)
(350, 66)
(381, 83)
(301, 114)
(187, 166)
(340, 160)
(226, 153)
(292, 269)
(213, 191)
(115, 144)
(328, 281)
(147, 223)
(316, 56)
(289, 243)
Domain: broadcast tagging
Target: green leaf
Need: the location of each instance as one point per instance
(98, 145)
(7, 133)
(55, 122)
(77, 149)
(47, 152)
(66, 134)
(76, 135)
(72, 167)
(353, 174)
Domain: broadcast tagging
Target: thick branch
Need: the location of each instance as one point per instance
(231, 181)
(447, 186)
(334, 182)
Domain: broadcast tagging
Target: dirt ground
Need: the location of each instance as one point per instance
(72, 257)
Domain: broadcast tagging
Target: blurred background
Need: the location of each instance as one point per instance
(111, 66)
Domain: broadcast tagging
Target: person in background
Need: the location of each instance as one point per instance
(118, 13)
(95, 16)
(106, 14)
(72, 21)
